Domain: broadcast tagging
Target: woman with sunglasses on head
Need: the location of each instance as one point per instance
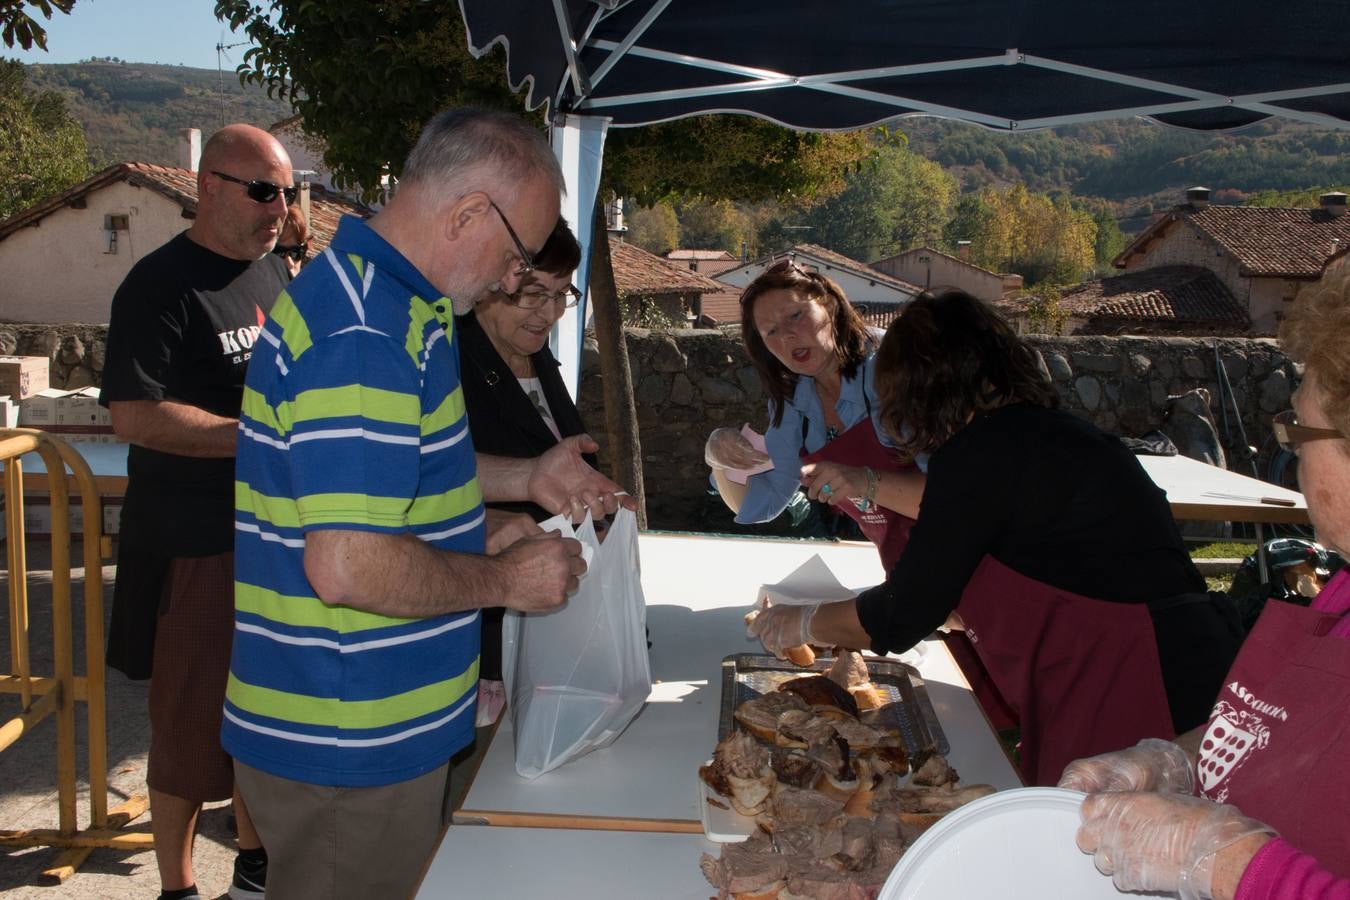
(293, 242)
(1201, 816)
(514, 395)
(1044, 535)
(814, 355)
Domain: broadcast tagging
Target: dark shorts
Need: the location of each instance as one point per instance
(187, 690)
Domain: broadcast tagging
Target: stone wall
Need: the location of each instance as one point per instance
(688, 382)
(76, 351)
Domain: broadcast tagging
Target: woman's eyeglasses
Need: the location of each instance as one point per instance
(528, 298)
(260, 191)
(1290, 434)
(296, 252)
(788, 265)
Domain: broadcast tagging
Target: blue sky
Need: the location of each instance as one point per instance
(150, 31)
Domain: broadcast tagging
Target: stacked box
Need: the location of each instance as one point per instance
(71, 415)
(37, 516)
(23, 376)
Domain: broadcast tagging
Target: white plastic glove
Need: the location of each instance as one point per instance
(783, 627)
(727, 448)
(1150, 765)
(1160, 842)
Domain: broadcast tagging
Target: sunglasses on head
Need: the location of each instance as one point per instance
(1289, 434)
(788, 265)
(260, 191)
(296, 252)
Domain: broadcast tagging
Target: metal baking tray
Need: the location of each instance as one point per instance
(907, 710)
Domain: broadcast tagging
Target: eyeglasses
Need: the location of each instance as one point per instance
(535, 299)
(788, 265)
(260, 191)
(296, 252)
(526, 257)
(1290, 434)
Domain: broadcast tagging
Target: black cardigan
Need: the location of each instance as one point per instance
(503, 422)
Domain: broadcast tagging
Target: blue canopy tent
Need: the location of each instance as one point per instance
(1005, 64)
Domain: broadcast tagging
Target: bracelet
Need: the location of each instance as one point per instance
(869, 497)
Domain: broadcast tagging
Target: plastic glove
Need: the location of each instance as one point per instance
(781, 628)
(1150, 765)
(1160, 842)
(727, 448)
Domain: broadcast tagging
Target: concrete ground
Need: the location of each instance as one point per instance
(28, 795)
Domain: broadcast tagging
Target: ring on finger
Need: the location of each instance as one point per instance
(826, 490)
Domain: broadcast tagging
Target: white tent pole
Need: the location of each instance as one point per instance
(579, 145)
(620, 49)
(579, 82)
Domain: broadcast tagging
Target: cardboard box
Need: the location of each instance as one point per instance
(23, 376)
(71, 415)
(37, 516)
(9, 413)
(39, 409)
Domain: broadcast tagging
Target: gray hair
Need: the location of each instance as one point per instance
(461, 143)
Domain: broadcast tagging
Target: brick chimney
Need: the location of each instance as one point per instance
(1332, 203)
(963, 250)
(189, 148)
(1197, 197)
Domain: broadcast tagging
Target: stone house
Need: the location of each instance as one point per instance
(708, 262)
(934, 270)
(65, 256)
(1175, 300)
(1261, 256)
(876, 294)
(647, 280)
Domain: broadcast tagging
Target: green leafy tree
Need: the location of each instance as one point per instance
(1297, 199)
(1110, 239)
(655, 229)
(42, 149)
(895, 201)
(1044, 240)
(713, 225)
(17, 26)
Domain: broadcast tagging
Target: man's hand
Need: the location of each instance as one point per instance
(562, 482)
(505, 528)
(541, 571)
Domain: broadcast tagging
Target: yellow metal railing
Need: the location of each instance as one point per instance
(57, 694)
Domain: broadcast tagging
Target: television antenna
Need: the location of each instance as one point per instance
(221, 55)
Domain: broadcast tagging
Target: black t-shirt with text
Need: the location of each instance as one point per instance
(182, 328)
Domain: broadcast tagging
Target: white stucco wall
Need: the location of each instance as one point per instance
(856, 288)
(61, 270)
(942, 272)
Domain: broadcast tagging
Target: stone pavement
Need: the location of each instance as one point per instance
(28, 774)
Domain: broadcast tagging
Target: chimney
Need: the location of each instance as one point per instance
(1197, 197)
(1332, 203)
(189, 148)
(302, 198)
(963, 250)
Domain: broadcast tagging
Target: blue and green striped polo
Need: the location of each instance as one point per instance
(353, 418)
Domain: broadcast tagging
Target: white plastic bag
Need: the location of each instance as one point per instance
(576, 677)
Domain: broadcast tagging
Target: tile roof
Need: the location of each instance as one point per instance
(1266, 242)
(180, 186)
(637, 272)
(880, 315)
(699, 254)
(824, 260)
(1174, 294)
(724, 306)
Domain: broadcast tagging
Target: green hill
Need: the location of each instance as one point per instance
(133, 111)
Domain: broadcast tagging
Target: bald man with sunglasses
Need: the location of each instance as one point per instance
(182, 330)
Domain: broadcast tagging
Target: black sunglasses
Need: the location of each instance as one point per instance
(260, 191)
(526, 257)
(296, 252)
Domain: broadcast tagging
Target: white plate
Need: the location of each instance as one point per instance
(726, 826)
(1014, 845)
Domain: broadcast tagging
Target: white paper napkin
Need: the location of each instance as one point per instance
(811, 582)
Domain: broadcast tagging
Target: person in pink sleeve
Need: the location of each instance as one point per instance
(1256, 805)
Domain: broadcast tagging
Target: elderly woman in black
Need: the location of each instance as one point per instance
(1044, 535)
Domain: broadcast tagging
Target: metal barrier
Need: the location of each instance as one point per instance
(56, 695)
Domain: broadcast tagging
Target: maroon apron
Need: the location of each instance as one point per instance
(858, 446)
(1278, 742)
(1081, 674)
(889, 531)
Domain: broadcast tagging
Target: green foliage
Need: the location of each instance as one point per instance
(1045, 313)
(133, 111)
(644, 312)
(1296, 199)
(1043, 239)
(17, 26)
(42, 149)
(713, 225)
(895, 201)
(655, 228)
(1110, 239)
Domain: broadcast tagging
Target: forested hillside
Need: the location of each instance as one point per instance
(132, 111)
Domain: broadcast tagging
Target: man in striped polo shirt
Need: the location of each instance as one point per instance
(363, 552)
